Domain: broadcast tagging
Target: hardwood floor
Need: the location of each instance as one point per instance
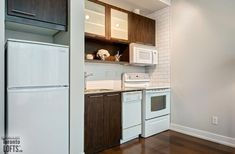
(170, 142)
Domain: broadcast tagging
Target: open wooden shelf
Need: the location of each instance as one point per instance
(107, 62)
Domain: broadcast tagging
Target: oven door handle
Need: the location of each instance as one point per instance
(154, 93)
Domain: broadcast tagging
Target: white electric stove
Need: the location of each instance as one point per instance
(155, 103)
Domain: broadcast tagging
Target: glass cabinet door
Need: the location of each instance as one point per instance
(94, 18)
(119, 24)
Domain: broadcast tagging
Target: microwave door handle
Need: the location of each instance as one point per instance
(154, 55)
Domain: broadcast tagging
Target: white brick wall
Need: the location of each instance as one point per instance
(160, 74)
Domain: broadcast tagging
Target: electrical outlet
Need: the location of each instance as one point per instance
(214, 120)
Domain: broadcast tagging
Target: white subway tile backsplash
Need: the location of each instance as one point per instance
(109, 71)
(104, 84)
(160, 75)
(108, 76)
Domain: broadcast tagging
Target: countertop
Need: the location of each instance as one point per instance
(97, 91)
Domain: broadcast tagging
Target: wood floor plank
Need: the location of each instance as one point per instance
(170, 142)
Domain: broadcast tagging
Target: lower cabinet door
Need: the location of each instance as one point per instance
(94, 123)
(112, 115)
(102, 121)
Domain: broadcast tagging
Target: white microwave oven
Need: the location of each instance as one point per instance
(143, 55)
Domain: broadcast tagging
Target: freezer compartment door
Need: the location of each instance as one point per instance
(32, 64)
(40, 118)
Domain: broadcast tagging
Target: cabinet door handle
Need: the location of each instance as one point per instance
(96, 96)
(110, 95)
(24, 13)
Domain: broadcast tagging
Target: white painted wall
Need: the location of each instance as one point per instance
(75, 39)
(2, 29)
(62, 38)
(76, 76)
(203, 65)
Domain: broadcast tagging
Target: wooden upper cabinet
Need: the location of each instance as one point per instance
(119, 24)
(95, 18)
(53, 11)
(22, 8)
(106, 21)
(43, 13)
(141, 29)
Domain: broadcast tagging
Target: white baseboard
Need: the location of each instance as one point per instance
(228, 141)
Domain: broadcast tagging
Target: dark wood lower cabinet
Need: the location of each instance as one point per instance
(112, 110)
(94, 123)
(102, 121)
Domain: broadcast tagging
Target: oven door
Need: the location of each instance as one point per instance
(156, 104)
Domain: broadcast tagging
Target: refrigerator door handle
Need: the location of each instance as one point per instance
(37, 89)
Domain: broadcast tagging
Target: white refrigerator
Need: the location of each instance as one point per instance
(37, 101)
